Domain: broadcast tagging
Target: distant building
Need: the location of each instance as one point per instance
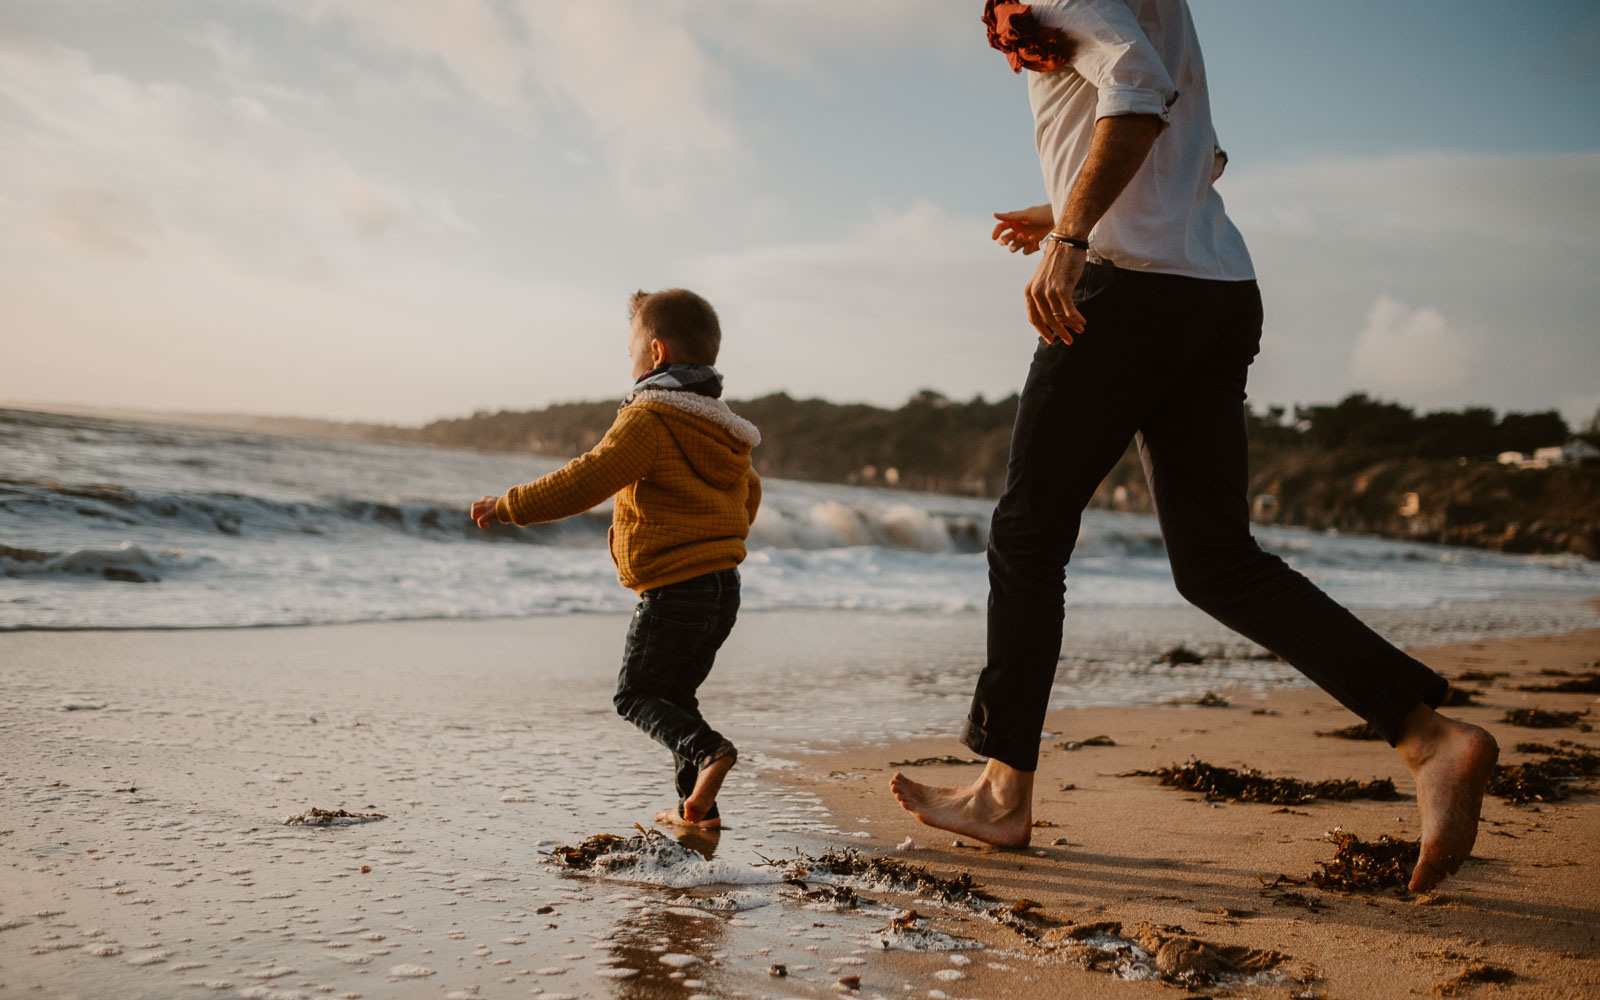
(1574, 452)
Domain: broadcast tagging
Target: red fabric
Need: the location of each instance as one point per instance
(1027, 44)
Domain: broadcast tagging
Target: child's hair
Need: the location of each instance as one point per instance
(682, 320)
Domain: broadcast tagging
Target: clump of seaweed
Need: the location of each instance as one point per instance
(610, 852)
(1092, 741)
(1457, 697)
(1481, 676)
(941, 759)
(1179, 656)
(1210, 700)
(838, 896)
(1024, 917)
(1358, 866)
(1249, 785)
(330, 817)
(1538, 718)
(1360, 731)
(1181, 958)
(889, 873)
(1582, 684)
(1168, 953)
(1477, 972)
(1547, 780)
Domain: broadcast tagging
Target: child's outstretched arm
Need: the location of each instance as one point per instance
(624, 455)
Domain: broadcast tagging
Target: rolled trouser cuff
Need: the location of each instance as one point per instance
(723, 749)
(1023, 755)
(1390, 709)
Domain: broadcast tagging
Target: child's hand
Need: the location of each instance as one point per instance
(483, 510)
(1024, 228)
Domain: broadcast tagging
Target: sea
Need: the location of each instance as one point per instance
(121, 524)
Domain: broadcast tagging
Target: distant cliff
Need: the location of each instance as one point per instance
(1360, 465)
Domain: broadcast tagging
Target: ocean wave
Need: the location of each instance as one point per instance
(235, 514)
(834, 525)
(823, 525)
(127, 563)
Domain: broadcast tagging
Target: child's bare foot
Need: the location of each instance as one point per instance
(996, 809)
(706, 786)
(1451, 763)
(670, 817)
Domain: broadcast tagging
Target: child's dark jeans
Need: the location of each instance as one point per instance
(676, 632)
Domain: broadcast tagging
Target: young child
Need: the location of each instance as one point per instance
(679, 461)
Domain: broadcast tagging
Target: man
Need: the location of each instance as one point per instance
(1149, 315)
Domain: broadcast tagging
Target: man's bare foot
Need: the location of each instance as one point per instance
(996, 809)
(706, 786)
(670, 817)
(1451, 763)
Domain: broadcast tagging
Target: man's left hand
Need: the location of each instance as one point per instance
(1049, 294)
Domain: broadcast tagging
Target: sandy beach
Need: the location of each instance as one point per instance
(1126, 849)
(147, 776)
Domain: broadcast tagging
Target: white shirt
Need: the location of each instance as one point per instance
(1138, 57)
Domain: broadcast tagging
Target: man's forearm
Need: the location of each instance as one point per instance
(1116, 151)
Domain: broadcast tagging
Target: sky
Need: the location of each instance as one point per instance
(398, 210)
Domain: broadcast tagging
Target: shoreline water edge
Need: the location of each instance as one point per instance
(149, 775)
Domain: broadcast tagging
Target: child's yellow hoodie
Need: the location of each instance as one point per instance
(686, 493)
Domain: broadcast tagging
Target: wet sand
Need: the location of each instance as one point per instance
(145, 777)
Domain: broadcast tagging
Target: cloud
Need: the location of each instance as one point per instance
(650, 97)
(1503, 247)
(102, 163)
(1412, 353)
(911, 299)
(653, 84)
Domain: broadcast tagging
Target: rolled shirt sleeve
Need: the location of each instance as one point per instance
(1113, 53)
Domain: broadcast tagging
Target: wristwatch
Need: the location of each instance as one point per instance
(1071, 241)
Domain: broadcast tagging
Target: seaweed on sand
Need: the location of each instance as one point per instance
(1179, 656)
(889, 873)
(1092, 741)
(331, 817)
(839, 896)
(1538, 718)
(1359, 866)
(1249, 785)
(1210, 700)
(609, 852)
(1359, 731)
(1582, 684)
(1481, 676)
(1023, 917)
(1547, 780)
(1477, 972)
(942, 759)
(1170, 952)
(1459, 696)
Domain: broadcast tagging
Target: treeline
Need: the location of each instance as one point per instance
(947, 446)
(1360, 422)
(1359, 465)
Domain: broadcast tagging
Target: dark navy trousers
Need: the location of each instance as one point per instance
(1163, 358)
(672, 643)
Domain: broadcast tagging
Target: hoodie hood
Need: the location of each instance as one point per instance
(715, 440)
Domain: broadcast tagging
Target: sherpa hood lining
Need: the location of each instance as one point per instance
(713, 410)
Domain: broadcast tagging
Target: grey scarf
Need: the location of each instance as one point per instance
(702, 380)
